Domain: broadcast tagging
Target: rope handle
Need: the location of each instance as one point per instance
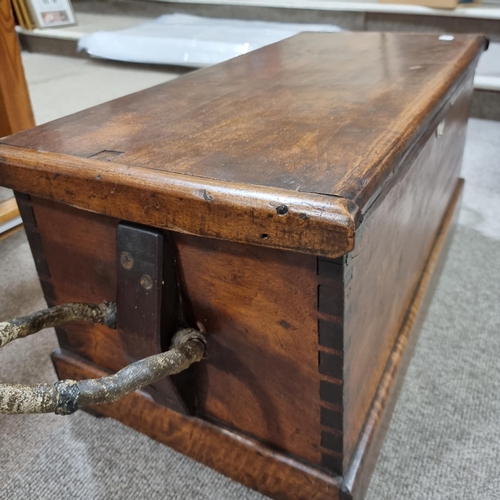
(67, 396)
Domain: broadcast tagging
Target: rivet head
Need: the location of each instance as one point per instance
(126, 260)
(146, 282)
(282, 210)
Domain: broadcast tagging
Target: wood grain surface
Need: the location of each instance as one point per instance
(15, 106)
(392, 245)
(76, 252)
(243, 459)
(258, 306)
(262, 171)
(307, 223)
(273, 148)
(319, 113)
(255, 465)
(357, 476)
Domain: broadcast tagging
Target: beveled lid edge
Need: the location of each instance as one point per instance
(308, 223)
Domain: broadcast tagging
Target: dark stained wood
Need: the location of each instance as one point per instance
(280, 117)
(330, 392)
(148, 317)
(232, 454)
(331, 283)
(15, 107)
(79, 249)
(388, 261)
(357, 477)
(36, 246)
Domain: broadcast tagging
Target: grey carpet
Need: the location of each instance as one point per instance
(444, 439)
(5, 194)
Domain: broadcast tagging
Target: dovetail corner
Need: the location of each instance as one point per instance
(330, 309)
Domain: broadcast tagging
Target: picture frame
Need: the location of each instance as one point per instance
(51, 13)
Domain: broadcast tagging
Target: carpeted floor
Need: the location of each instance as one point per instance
(5, 194)
(444, 439)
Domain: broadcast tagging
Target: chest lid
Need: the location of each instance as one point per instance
(282, 147)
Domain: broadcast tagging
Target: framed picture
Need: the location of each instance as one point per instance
(51, 13)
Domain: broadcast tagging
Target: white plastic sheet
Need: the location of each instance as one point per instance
(192, 41)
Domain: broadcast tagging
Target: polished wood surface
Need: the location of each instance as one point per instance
(252, 463)
(239, 457)
(316, 113)
(357, 476)
(391, 249)
(259, 308)
(263, 216)
(268, 137)
(15, 106)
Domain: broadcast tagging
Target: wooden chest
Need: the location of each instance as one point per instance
(300, 198)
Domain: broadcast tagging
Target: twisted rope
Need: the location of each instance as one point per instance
(67, 396)
(104, 313)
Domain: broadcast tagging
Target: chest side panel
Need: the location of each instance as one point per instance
(258, 305)
(393, 244)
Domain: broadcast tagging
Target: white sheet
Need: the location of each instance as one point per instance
(184, 40)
